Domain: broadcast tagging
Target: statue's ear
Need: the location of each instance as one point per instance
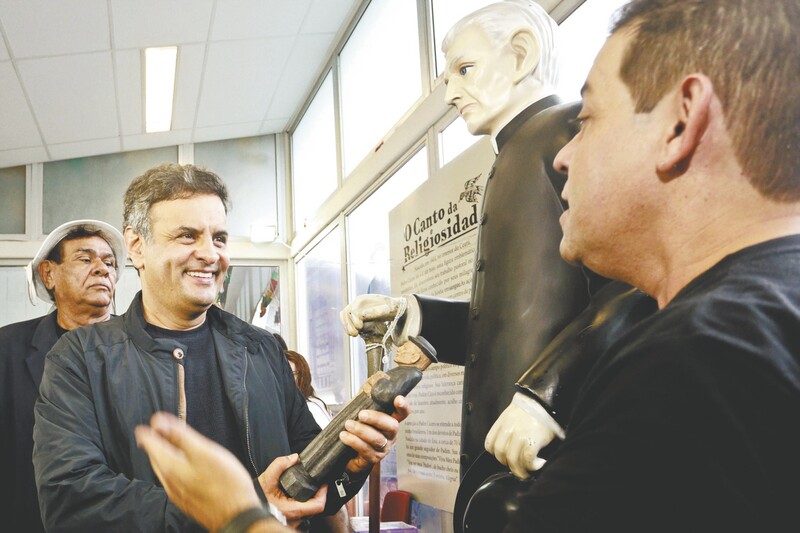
(526, 49)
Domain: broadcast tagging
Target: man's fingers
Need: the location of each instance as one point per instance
(272, 474)
(321, 496)
(294, 510)
(162, 453)
(180, 435)
(402, 408)
(370, 422)
(365, 440)
(155, 445)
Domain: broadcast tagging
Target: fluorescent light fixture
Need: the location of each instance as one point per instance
(159, 87)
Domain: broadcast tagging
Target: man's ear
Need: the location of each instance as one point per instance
(134, 243)
(46, 273)
(690, 119)
(527, 52)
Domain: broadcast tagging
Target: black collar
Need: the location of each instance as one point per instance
(511, 128)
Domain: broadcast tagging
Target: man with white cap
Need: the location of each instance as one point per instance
(76, 268)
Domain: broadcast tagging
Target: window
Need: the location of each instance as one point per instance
(93, 187)
(247, 166)
(12, 201)
(252, 294)
(14, 293)
(381, 76)
(454, 139)
(314, 167)
(581, 36)
(320, 338)
(368, 260)
(368, 242)
(445, 14)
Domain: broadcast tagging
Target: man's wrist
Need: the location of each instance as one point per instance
(260, 490)
(242, 521)
(276, 513)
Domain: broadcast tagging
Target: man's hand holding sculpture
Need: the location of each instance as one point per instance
(358, 436)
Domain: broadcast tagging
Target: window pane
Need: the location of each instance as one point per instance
(128, 287)
(17, 305)
(581, 36)
(247, 166)
(454, 139)
(381, 76)
(12, 200)
(314, 155)
(445, 14)
(92, 187)
(368, 250)
(320, 338)
(368, 240)
(252, 294)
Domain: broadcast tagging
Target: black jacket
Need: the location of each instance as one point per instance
(103, 380)
(23, 347)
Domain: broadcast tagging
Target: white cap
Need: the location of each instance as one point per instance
(108, 232)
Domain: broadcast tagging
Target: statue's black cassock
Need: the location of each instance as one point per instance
(523, 293)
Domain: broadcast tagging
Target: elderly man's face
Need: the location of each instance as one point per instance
(86, 275)
(183, 267)
(612, 187)
(479, 77)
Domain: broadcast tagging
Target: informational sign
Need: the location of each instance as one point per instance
(433, 234)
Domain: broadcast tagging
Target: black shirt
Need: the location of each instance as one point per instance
(207, 408)
(691, 421)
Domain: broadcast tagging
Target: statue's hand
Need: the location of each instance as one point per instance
(519, 433)
(377, 307)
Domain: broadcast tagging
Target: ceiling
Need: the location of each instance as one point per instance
(71, 72)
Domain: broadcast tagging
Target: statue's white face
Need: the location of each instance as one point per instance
(480, 81)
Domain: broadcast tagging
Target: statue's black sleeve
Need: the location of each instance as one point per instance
(444, 325)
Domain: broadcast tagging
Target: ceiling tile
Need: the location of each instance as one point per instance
(240, 80)
(23, 156)
(38, 28)
(84, 148)
(187, 85)
(274, 126)
(143, 23)
(327, 16)
(154, 140)
(70, 104)
(231, 131)
(301, 72)
(250, 19)
(62, 82)
(130, 98)
(17, 127)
